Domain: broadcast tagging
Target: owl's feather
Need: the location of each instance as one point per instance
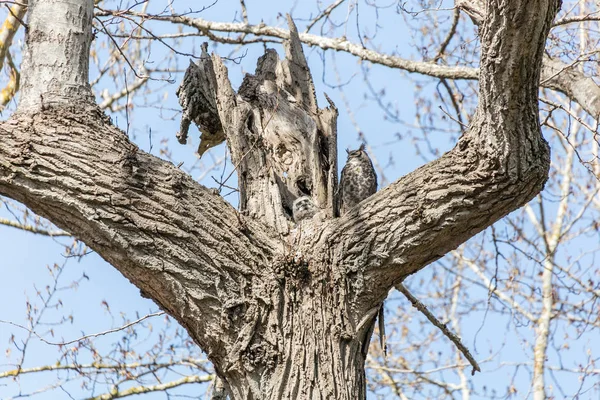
(358, 180)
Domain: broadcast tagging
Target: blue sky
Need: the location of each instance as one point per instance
(25, 256)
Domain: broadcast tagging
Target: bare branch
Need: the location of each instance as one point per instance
(453, 338)
(593, 16)
(571, 82)
(10, 26)
(324, 14)
(119, 394)
(338, 44)
(128, 90)
(451, 33)
(33, 229)
(86, 336)
(102, 366)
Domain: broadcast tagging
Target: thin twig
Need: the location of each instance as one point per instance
(119, 50)
(455, 339)
(126, 101)
(452, 118)
(324, 14)
(223, 185)
(156, 314)
(244, 11)
(33, 229)
(449, 37)
(15, 16)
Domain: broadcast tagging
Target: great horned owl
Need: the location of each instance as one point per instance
(358, 181)
(303, 208)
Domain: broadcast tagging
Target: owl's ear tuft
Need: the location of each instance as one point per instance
(362, 147)
(347, 151)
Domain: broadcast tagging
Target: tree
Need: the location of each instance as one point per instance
(171, 238)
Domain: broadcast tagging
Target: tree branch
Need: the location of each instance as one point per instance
(118, 394)
(453, 338)
(33, 229)
(251, 301)
(555, 74)
(337, 44)
(96, 366)
(499, 164)
(9, 28)
(180, 244)
(85, 336)
(573, 83)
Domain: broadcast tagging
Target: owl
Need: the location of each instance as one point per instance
(358, 180)
(303, 208)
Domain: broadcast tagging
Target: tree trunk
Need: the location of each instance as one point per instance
(284, 309)
(303, 345)
(56, 60)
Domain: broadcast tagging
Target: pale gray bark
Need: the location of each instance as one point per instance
(283, 310)
(57, 60)
(552, 237)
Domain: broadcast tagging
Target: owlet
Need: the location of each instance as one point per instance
(303, 208)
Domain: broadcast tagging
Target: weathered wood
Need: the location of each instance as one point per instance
(199, 105)
(282, 145)
(329, 157)
(296, 77)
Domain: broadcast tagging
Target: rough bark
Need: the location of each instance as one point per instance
(557, 75)
(283, 310)
(282, 145)
(56, 62)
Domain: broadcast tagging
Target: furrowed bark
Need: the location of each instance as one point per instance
(183, 246)
(556, 75)
(499, 164)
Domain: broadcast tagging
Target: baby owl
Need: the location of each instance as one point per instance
(358, 181)
(303, 208)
